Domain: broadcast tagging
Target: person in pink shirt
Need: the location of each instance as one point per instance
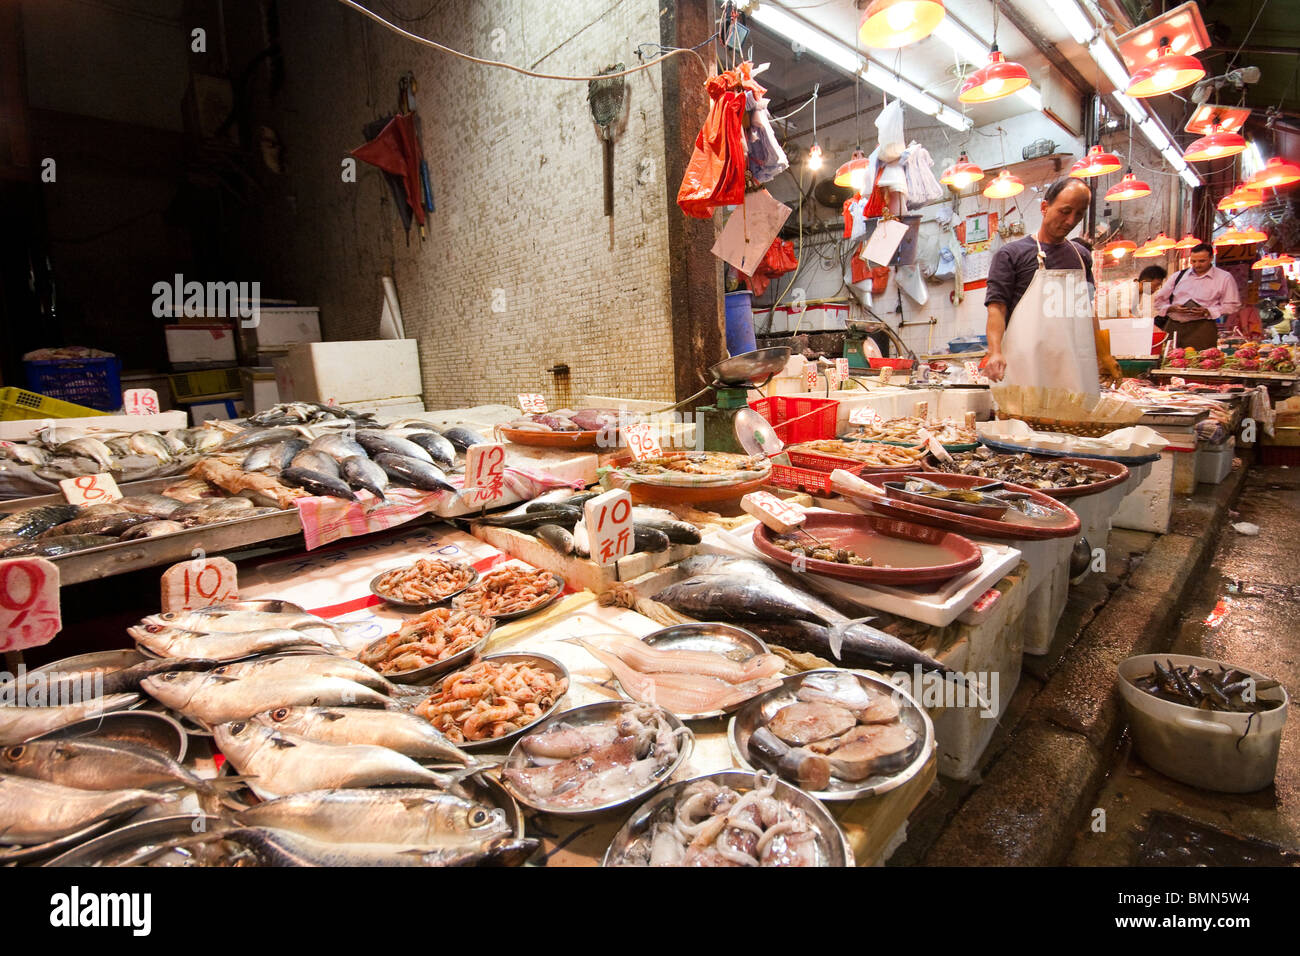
(1197, 299)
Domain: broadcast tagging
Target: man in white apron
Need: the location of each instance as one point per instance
(1042, 324)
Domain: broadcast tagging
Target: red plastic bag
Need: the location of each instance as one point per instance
(777, 261)
(715, 175)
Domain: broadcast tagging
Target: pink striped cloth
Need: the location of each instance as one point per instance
(325, 519)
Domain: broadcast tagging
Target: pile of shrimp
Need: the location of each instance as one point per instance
(427, 581)
(491, 699)
(712, 825)
(508, 590)
(432, 637)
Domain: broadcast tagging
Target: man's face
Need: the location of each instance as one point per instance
(1200, 262)
(1064, 212)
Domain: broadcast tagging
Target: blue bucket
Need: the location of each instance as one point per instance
(740, 322)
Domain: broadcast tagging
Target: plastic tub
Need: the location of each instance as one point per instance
(740, 323)
(1203, 748)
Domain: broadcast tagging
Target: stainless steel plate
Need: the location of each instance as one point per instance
(133, 836)
(758, 711)
(515, 615)
(95, 662)
(599, 713)
(423, 675)
(406, 606)
(144, 727)
(634, 836)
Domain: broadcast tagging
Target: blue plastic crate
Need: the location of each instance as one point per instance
(94, 382)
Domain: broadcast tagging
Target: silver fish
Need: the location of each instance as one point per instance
(159, 506)
(286, 451)
(396, 730)
(440, 449)
(173, 642)
(149, 443)
(36, 811)
(317, 461)
(192, 508)
(414, 472)
(30, 522)
(213, 698)
(315, 482)
(233, 620)
(175, 444)
(91, 765)
(22, 723)
(109, 524)
(23, 453)
(364, 475)
(261, 456)
(385, 443)
(151, 529)
(257, 436)
(286, 848)
(278, 764)
(317, 665)
(59, 544)
(88, 447)
(336, 446)
(203, 440)
(52, 435)
(404, 816)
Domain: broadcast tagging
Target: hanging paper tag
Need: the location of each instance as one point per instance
(484, 474)
(608, 519)
(29, 603)
(202, 582)
(140, 401)
(865, 416)
(532, 404)
(642, 441)
(776, 514)
(90, 489)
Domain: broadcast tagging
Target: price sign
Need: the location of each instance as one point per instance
(833, 377)
(1130, 387)
(642, 441)
(772, 511)
(810, 377)
(29, 603)
(886, 374)
(202, 582)
(842, 364)
(1177, 382)
(922, 411)
(532, 404)
(485, 473)
(934, 445)
(986, 600)
(90, 489)
(865, 416)
(973, 371)
(140, 401)
(608, 519)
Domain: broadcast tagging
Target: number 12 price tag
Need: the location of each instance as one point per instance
(90, 489)
(485, 473)
(29, 603)
(532, 404)
(642, 441)
(608, 519)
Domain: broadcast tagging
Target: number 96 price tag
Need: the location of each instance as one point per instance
(642, 441)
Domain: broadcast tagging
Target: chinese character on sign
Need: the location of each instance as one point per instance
(608, 519)
(484, 473)
(140, 401)
(641, 440)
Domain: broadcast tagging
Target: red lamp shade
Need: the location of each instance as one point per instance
(1098, 162)
(1240, 198)
(961, 174)
(994, 80)
(854, 172)
(1120, 248)
(1130, 187)
(1216, 145)
(1277, 172)
(1168, 72)
(1187, 242)
(1004, 186)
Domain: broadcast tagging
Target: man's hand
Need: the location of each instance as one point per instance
(995, 367)
(1108, 369)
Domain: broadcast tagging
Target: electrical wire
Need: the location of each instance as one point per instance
(1246, 38)
(433, 44)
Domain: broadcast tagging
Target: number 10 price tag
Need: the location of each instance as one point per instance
(90, 489)
(642, 441)
(608, 519)
(485, 473)
(864, 416)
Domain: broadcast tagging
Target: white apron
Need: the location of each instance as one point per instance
(1049, 342)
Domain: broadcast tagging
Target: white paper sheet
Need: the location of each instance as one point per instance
(882, 245)
(750, 230)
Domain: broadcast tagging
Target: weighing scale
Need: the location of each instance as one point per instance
(715, 428)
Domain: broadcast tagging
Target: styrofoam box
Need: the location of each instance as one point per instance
(278, 329)
(1214, 462)
(260, 390)
(219, 410)
(191, 344)
(25, 428)
(348, 372)
(815, 318)
(388, 409)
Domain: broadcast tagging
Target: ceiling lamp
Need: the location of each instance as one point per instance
(1285, 260)
(1267, 262)
(854, 172)
(1148, 251)
(814, 157)
(1098, 162)
(961, 174)
(1187, 242)
(1240, 198)
(1216, 145)
(1277, 172)
(1004, 186)
(994, 80)
(1240, 237)
(895, 23)
(1120, 248)
(1130, 187)
(1168, 72)
(1163, 243)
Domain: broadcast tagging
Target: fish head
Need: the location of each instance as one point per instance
(457, 815)
(175, 688)
(20, 759)
(240, 738)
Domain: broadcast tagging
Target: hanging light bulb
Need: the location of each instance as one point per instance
(1120, 248)
(1098, 162)
(994, 80)
(961, 173)
(854, 172)
(1215, 145)
(814, 157)
(1163, 242)
(1004, 186)
(1130, 187)
(894, 23)
(1170, 71)
(1240, 198)
(1277, 172)
(1187, 242)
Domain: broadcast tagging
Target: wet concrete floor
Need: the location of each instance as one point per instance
(1246, 614)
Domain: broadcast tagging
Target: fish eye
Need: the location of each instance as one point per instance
(280, 713)
(237, 727)
(171, 675)
(15, 753)
(479, 817)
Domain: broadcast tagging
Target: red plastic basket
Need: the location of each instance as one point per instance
(797, 418)
(898, 363)
(805, 479)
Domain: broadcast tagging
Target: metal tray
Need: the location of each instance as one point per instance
(751, 717)
(145, 727)
(593, 714)
(515, 615)
(726, 639)
(835, 845)
(405, 606)
(1009, 448)
(136, 835)
(423, 675)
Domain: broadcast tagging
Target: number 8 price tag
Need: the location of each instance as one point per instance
(90, 489)
(642, 441)
(485, 473)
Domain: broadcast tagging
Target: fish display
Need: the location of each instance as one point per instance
(37, 811)
(70, 451)
(1226, 690)
(212, 698)
(427, 581)
(1024, 469)
(287, 848)
(509, 590)
(491, 699)
(405, 733)
(94, 765)
(22, 723)
(585, 766)
(428, 639)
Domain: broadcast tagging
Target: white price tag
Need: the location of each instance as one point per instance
(933, 444)
(833, 378)
(1130, 387)
(608, 519)
(1177, 382)
(532, 404)
(810, 377)
(922, 411)
(29, 603)
(865, 416)
(842, 364)
(642, 441)
(90, 489)
(202, 582)
(140, 401)
(973, 371)
(886, 374)
(772, 511)
(485, 473)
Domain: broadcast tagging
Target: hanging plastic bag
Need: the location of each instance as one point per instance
(715, 175)
(879, 279)
(890, 126)
(946, 267)
(855, 219)
(910, 281)
(777, 261)
(922, 187)
(767, 159)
